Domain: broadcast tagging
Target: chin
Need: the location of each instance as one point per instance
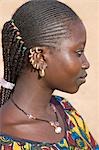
(72, 90)
(75, 89)
(69, 91)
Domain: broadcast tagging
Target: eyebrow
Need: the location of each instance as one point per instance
(82, 43)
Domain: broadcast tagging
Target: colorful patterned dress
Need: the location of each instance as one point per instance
(77, 136)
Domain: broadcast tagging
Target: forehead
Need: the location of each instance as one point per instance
(78, 32)
(77, 35)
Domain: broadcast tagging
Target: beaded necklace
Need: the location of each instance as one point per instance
(54, 124)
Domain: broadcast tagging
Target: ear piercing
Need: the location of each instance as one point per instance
(37, 60)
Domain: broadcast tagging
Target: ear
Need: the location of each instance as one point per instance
(45, 52)
(41, 52)
(38, 56)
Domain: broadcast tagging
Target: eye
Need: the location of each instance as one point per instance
(79, 52)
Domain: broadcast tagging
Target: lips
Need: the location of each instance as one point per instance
(82, 79)
(83, 76)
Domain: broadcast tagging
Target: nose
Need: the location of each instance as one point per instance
(85, 63)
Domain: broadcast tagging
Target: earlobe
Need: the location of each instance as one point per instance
(37, 60)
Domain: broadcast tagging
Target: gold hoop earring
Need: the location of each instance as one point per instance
(42, 73)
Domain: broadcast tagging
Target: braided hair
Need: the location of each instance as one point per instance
(35, 23)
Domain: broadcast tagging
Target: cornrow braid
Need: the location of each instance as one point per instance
(13, 54)
(35, 23)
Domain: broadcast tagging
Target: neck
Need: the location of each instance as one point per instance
(34, 97)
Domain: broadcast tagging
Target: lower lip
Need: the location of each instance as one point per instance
(83, 80)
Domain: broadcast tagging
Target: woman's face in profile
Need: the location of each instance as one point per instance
(67, 67)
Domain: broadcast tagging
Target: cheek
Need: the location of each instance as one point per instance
(62, 72)
(71, 65)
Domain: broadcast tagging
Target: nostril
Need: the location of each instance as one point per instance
(85, 65)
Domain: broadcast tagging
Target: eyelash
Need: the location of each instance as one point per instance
(79, 53)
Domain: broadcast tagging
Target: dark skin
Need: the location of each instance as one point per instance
(66, 71)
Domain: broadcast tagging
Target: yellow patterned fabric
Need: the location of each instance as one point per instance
(77, 135)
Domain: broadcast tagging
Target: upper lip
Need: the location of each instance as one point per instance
(84, 76)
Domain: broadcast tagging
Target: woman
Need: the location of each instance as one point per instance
(43, 50)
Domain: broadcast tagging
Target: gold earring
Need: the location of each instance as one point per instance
(35, 55)
(42, 73)
(31, 56)
(37, 61)
(43, 66)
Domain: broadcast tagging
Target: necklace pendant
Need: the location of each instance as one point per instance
(58, 130)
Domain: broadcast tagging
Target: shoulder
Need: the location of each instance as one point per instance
(69, 110)
(76, 125)
(66, 105)
(72, 117)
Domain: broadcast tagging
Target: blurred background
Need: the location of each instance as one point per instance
(86, 101)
